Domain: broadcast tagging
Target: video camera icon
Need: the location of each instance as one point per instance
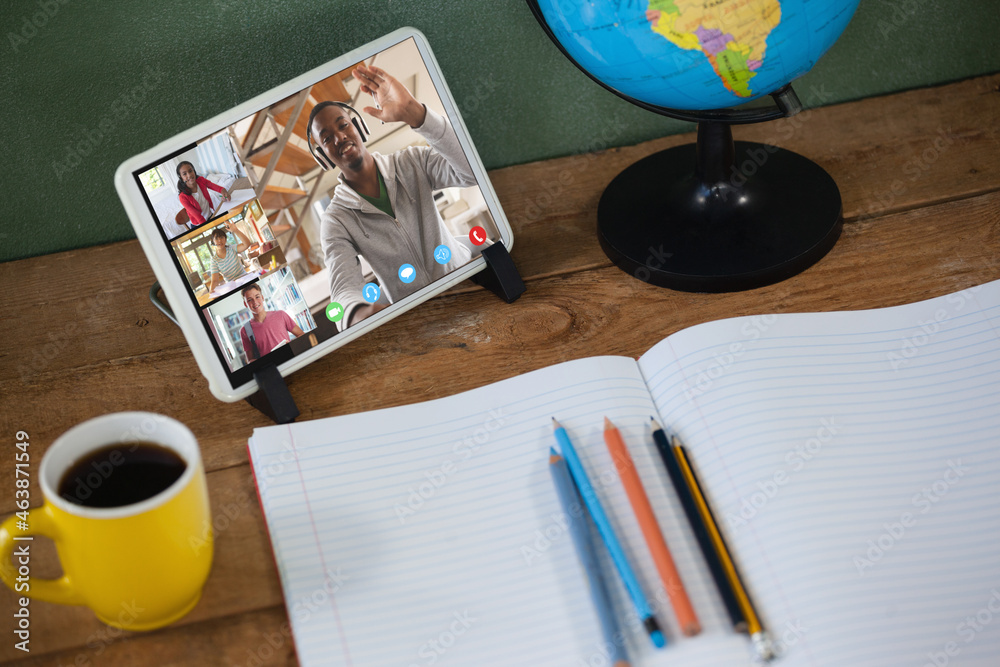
(334, 312)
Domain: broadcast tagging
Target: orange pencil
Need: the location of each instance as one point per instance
(651, 531)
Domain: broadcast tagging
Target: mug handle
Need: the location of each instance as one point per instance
(40, 522)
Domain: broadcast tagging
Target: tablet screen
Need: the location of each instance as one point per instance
(303, 219)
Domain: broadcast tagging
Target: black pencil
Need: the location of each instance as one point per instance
(700, 532)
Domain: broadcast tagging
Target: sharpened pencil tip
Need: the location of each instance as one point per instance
(554, 455)
(556, 424)
(656, 424)
(762, 645)
(608, 425)
(653, 628)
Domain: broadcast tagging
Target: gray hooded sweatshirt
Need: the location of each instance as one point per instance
(352, 226)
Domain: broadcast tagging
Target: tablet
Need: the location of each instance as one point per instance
(312, 213)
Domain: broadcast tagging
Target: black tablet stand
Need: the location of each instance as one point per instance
(273, 398)
(500, 275)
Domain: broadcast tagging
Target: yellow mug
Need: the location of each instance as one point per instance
(139, 566)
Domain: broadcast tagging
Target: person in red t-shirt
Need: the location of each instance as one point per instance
(270, 328)
(193, 193)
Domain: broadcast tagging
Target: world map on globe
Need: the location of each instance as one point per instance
(696, 54)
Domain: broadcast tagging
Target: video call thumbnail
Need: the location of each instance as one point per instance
(228, 252)
(197, 185)
(348, 202)
(259, 318)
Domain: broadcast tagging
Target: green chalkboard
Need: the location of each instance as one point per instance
(127, 75)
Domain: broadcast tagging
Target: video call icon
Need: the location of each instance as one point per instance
(334, 312)
(370, 292)
(407, 273)
(442, 254)
(477, 235)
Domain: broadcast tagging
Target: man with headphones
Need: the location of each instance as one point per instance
(383, 206)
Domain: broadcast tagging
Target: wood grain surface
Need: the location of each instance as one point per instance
(919, 174)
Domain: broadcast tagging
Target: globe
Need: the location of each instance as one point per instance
(696, 54)
(718, 215)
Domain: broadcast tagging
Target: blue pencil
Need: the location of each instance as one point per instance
(572, 504)
(608, 535)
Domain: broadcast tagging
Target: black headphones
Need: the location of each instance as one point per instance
(322, 159)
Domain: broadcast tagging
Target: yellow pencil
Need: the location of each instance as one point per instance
(761, 642)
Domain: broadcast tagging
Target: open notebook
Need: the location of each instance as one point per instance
(853, 459)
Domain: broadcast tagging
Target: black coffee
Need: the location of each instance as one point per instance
(121, 474)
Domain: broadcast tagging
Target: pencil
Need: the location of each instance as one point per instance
(607, 533)
(761, 642)
(572, 505)
(700, 531)
(679, 600)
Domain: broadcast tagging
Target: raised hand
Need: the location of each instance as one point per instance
(396, 101)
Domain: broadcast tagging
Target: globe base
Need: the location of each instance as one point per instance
(747, 215)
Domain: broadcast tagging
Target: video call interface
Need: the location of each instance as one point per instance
(307, 217)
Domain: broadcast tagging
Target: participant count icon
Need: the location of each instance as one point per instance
(407, 273)
(370, 292)
(442, 254)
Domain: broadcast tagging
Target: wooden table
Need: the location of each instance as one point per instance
(919, 173)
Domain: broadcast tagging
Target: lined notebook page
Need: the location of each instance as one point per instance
(854, 460)
(431, 533)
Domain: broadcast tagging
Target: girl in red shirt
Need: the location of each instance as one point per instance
(193, 193)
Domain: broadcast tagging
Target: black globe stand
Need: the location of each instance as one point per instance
(719, 216)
